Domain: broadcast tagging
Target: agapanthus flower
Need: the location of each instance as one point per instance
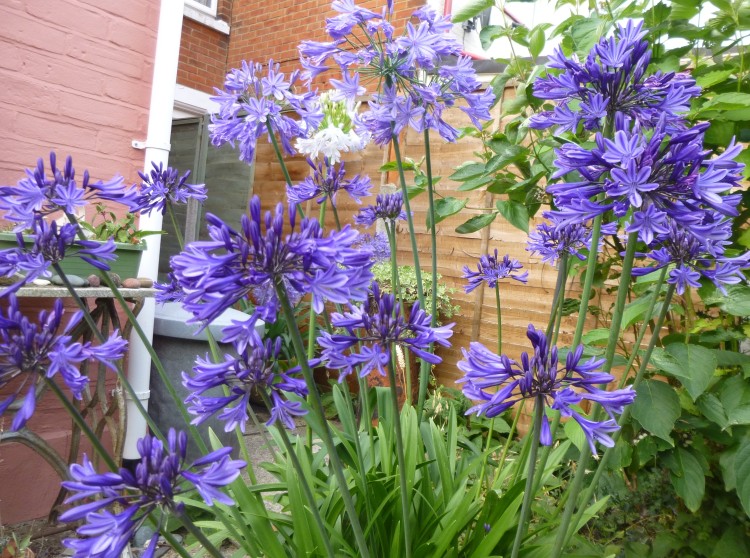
(161, 187)
(492, 269)
(660, 174)
(326, 182)
(553, 239)
(216, 273)
(47, 244)
(31, 352)
(253, 100)
(39, 195)
(388, 207)
(415, 84)
(335, 134)
(373, 328)
(612, 80)
(692, 256)
(120, 502)
(256, 366)
(498, 383)
(377, 244)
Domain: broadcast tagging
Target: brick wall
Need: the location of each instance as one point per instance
(203, 52)
(272, 29)
(76, 79)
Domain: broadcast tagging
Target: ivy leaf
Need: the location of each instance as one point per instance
(474, 183)
(656, 408)
(693, 365)
(515, 213)
(472, 9)
(444, 208)
(476, 223)
(687, 476)
(712, 78)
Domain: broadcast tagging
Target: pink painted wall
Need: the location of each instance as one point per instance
(75, 77)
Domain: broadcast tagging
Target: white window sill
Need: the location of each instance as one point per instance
(205, 19)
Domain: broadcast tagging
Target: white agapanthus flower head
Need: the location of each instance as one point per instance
(335, 135)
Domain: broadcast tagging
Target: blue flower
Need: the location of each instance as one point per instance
(410, 90)
(612, 80)
(540, 377)
(662, 174)
(31, 351)
(251, 100)
(263, 255)
(255, 367)
(697, 252)
(165, 186)
(373, 329)
(388, 207)
(492, 269)
(552, 240)
(157, 479)
(40, 195)
(49, 244)
(326, 182)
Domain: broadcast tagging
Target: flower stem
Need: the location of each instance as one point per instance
(588, 281)
(602, 465)
(302, 478)
(317, 407)
(175, 226)
(528, 494)
(81, 423)
(405, 506)
(425, 369)
(499, 319)
(614, 334)
(282, 163)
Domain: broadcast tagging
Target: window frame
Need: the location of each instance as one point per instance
(211, 10)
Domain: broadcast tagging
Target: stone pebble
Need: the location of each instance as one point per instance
(131, 283)
(74, 280)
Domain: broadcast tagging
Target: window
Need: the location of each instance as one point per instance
(229, 183)
(205, 6)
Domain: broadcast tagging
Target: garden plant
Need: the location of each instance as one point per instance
(639, 197)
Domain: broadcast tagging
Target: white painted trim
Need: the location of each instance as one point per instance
(189, 102)
(193, 12)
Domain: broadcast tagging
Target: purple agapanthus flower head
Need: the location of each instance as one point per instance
(552, 239)
(40, 195)
(31, 352)
(45, 245)
(216, 273)
(256, 366)
(326, 182)
(697, 252)
(377, 244)
(164, 186)
(417, 74)
(388, 207)
(492, 269)
(498, 382)
(612, 80)
(254, 100)
(375, 327)
(654, 176)
(120, 502)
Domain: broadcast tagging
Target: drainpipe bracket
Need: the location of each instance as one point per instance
(145, 144)
(141, 395)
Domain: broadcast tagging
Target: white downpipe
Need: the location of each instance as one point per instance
(156, 150)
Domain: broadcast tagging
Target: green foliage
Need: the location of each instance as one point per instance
(120, 230)
(407, 278)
